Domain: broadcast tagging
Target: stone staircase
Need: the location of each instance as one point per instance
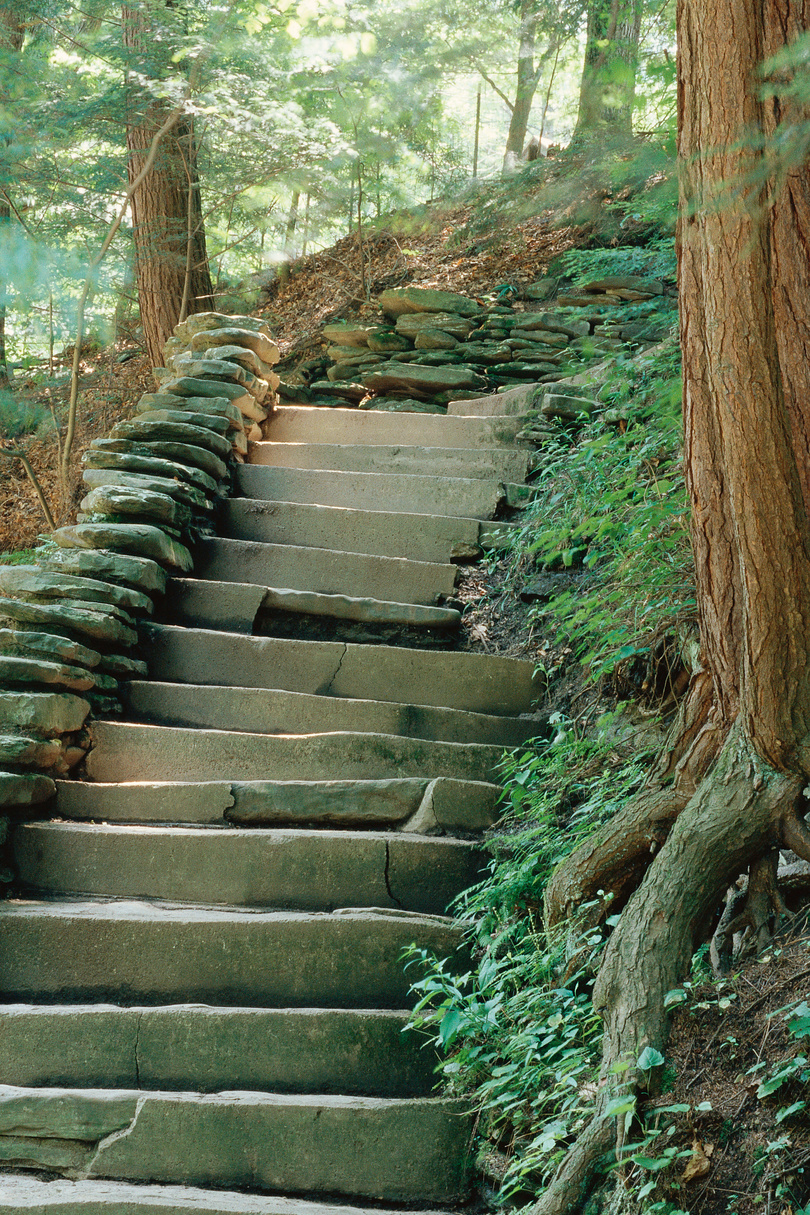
(204, 995)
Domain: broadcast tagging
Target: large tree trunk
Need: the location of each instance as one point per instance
(608, 84)
(171, 262)
(745, 746)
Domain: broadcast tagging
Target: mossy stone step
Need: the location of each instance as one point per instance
(240, 867)
(384, 1149)
(207, 1049)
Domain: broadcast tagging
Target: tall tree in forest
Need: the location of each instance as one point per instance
(11, 39)
(608, 83)
(728, 793)
(171, 261)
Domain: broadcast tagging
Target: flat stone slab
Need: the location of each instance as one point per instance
(396, 1150)
(32, 581)
(46, 713)
(324, 571)
(98, 625)
(25, 788)
(32, 671)
(175, 452)
(467, 806)
(144, 431)
(96, 478)
(311, 424)
(397, 300)
(27, 1195)
(126, 459)
(206, 405)
(298, 870)
(269, 711)
(477, 683)
(134, 539)
(194, 1047)
(231, 335)
(489, 463)
(123, 751)
(433, 538)
(50, 647)
(133, 952)
(470, 497)
(514, 401)
(235, 606)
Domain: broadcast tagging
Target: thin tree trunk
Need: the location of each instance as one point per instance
(527, 78)
(166, 210)
(12, 34)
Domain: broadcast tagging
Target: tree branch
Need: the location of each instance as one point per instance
(16, 453)
(493, 86)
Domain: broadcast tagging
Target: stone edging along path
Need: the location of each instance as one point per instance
(69, 624)
(203, 993)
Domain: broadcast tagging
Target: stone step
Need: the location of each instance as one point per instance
(477, 683)
(121, 751)
(501, 463)
(298, 870)
(242, 607)
(302, 424)
(434, 538)
(273, 711)
(323, 571)
(513, 402)
(390, 1150)
(71, 950)
(205, 1049)
(472, 497)
(452, 805)
(27, 1195)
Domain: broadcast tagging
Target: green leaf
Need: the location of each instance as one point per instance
(649, 1058)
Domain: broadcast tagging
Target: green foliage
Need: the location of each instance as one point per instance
(19, 415)
(615, 500)
(655, 260)
(524, 1046)
(23, 556)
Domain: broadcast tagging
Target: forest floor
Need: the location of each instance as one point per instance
(737, 1150)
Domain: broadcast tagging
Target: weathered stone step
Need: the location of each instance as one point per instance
(126, 752)
(321, 570)
(503, 463)
(472, 497)
(440, 805)
(513, 402)
(272, 711)
(205, 1049)
(477, 683)
(26, 1195)
(299, 870)
(241, 607)
(310, 424)
(436, 538)
(407, 1150)
(137, 952)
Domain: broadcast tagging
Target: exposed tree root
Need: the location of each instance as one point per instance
(751, 915)
(735, 819)
(614, 859)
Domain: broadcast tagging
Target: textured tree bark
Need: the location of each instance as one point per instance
(608, 84)
(527, 79)
(12, 34)
(745, 335)
(171, 262)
